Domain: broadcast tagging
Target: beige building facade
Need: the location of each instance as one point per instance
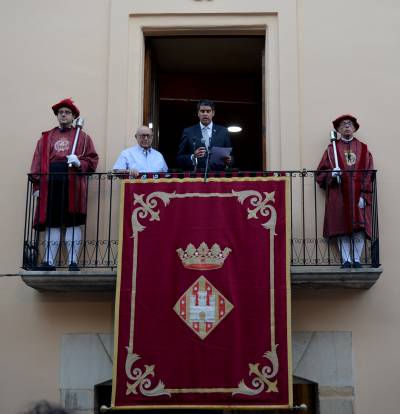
(319, 59)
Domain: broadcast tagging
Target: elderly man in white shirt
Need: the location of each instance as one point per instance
(141, 157)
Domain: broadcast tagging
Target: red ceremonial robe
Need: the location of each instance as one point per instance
(342, 213)
(54, 146)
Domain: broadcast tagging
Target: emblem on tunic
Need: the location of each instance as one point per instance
(351, 158)
(203, 258)
(61, 145)
(202, 307)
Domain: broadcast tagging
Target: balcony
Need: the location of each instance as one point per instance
(315, 261)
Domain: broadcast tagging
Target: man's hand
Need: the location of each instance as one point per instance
(200, 152)
(227, 160)
(73, 159)
(337, 172)
(133, 173)
(361, 202)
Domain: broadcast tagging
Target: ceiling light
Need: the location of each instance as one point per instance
(234, 128)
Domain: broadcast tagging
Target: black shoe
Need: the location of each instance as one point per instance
(73, 267)
(346, 265)
(45, 266)
(357, 265)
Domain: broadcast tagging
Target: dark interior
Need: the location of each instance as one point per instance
(225, 69)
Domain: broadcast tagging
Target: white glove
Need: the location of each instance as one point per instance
(337, 172)
(73, 159)
(361, 202)
(36, 193)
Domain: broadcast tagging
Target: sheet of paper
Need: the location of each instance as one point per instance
(218, 154)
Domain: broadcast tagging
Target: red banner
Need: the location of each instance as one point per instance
(203, 294)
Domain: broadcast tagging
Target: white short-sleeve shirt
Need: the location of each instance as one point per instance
(141, 160)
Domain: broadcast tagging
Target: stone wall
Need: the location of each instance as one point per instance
(321, 357)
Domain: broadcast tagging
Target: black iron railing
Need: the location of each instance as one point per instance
(98, 245)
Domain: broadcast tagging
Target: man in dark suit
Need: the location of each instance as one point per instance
(197, 139)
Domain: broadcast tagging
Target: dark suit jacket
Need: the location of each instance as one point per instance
(191, 140)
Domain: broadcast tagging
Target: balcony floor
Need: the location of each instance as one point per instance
(303, 277)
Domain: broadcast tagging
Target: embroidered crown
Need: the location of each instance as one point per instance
(203, 258)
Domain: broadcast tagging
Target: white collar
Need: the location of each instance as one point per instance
(209, 126)
(347, 140)
(143, 150)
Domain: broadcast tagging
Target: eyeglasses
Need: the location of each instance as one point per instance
(64, 112)
(346, 123)
(143, 136)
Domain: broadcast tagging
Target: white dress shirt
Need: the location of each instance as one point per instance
(139, 159)
(208, 128)
(206, 132)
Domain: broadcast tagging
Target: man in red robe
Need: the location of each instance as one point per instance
(348, 191)
(61, 189)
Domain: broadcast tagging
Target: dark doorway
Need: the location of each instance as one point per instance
(180, 70)
(304, 392)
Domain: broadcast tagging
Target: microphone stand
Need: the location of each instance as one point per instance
(206, 143)
(207, 162)
(195, 161)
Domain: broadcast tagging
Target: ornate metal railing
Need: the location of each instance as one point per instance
(98, 247)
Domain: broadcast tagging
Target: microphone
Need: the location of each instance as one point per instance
(333, 135)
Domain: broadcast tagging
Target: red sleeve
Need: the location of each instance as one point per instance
(35, 166)
(323, 178)
(87, 154)
(368, 179)
(370, 161)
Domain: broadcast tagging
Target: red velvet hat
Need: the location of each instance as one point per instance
(68, 103)
(341, 118)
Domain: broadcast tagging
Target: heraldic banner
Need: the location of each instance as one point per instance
(203, 294)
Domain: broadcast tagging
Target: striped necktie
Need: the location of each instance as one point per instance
(206, 136)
